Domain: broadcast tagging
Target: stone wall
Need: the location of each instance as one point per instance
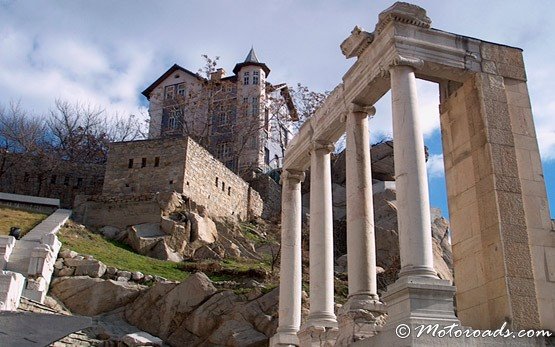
(117, 211)
(501, 229)
(270, 192)
(210, 183)
(58, 179)
(148, 166)
(166, 165)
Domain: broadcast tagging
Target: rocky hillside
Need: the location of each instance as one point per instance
(231, 269)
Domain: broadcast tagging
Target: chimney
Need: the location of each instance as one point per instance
(217, 75)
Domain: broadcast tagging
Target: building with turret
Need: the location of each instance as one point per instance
(242, 119)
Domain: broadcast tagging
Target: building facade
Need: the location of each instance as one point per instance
(241, 119)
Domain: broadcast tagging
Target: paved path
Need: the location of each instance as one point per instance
(21, 254)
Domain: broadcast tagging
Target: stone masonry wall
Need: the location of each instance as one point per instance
(210, 183)
(117, 211)
(55, 179)
(148, 166)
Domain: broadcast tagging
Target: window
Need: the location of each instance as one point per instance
(66, 181)
(171, 122)
(156, 161)
(246, 105)
(216, 181)
(223, 119)
(223, 186)
(130, 164)
(246, 78)
(255, 77)
(223, 150)
(79, 183)
(26, 177)
(228, 190)
(169, 92)
(143, 162)
(53, 179)
(181, 89)
(255, 106)
(266, 156)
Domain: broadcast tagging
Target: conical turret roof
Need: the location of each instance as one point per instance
(251, 59)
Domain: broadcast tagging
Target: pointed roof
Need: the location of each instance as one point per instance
(166, 74)
(251, 57)
(250, 60)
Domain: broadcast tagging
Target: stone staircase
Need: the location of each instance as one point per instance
(27, 264)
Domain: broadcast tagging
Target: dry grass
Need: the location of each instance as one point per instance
(25, 220)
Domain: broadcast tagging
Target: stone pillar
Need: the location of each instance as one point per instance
(418, 296)
(363, 313)
(413, 205)
(321, 237)
(290, 285)
(321, 320)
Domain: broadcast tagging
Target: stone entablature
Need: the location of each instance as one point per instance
(180, 165)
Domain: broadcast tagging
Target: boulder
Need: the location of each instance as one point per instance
(203, 229)
(137, 276)
(165, 306)
(206, 252)
(124, 274)
(141, 338)
(66, 253)
(66, 271)
(92, 268)
(210, 314)
(142, 237)
(110, 232)
(237, 334)
(163, 252)
(92, 296)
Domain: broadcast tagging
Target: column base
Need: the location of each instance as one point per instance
(325, 320)
(318, 336)
(420, 298)
(420, 271)
(361, 317)
(284, 338)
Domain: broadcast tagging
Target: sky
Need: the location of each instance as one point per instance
(106, 52)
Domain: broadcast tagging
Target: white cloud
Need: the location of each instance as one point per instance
(107, 52)
(435, 166)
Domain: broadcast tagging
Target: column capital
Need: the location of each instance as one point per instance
(369, 110)
(318, 145)
(292, 175)
(400, 60)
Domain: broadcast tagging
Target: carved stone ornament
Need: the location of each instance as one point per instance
(356, 43)
(294, 175)
(405, 13)
(407, 61)
(322, 145)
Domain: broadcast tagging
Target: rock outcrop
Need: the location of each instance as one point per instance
(92, 296)
(194, 313)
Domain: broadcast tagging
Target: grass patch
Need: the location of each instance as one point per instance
(25, 220)
(228, 269)
(116, 254)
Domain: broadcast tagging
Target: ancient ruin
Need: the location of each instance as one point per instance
(503, 239)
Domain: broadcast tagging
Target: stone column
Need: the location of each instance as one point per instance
(321, 237)
(413, 206)
(290, 281)
(362, 314)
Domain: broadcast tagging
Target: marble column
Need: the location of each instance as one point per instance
(363, 313)
(361, 248)
(290, 281)
(321, 238)
(415, 238)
